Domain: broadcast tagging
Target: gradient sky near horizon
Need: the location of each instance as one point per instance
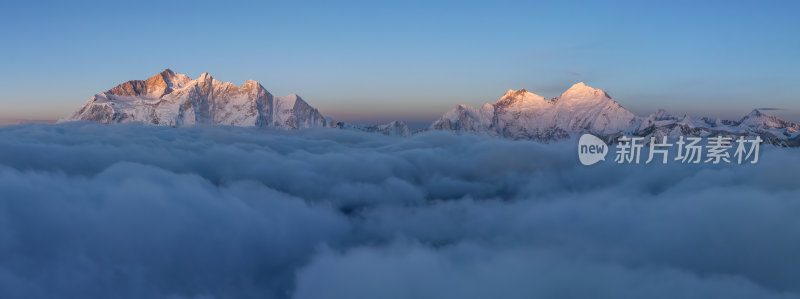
(371, 61)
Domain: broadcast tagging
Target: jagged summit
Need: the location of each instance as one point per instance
(520, 97)
(520, 114)
(174, 99)
(758, 120)
(205, 76)
(153, 87)
(167, 72)
(512, 92)
(754, 113)
(518, 93)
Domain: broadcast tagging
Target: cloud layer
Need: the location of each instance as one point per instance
(131, 211)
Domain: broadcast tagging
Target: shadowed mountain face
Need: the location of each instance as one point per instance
(520, 114)
(173, 99)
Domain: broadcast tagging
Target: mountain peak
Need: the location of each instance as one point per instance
(521, 94)
(582, 87)
(512, 92)
(758, 119)
(520, 97)
(661, 114)
(205, 76)
(579, 85)
(252, 83)
(197, 101)
(756, 116)
(521, 114)
(581, 91)
(164, 77)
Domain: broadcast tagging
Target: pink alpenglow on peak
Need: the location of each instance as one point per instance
(173, 99)
(521, 114)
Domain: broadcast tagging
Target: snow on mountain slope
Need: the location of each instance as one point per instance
(584, 108)
(464, 118)
(394, 128)
(520, 114)
(293, 112)
(771, 129)
(173, 99)
(756, 120)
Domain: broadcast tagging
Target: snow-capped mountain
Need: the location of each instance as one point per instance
(394, 128)
(173, 99)
(771, 129)
(520, 114)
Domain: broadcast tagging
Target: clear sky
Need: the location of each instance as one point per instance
(411, 60)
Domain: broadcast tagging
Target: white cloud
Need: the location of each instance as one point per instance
(141, 212)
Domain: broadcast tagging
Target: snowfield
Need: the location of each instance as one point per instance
(138, 211)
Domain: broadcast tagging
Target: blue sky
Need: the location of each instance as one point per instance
(411, 60)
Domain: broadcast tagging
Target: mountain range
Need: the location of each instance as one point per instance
(173, 99)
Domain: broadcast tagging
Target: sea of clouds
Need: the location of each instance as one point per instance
(135, 211)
